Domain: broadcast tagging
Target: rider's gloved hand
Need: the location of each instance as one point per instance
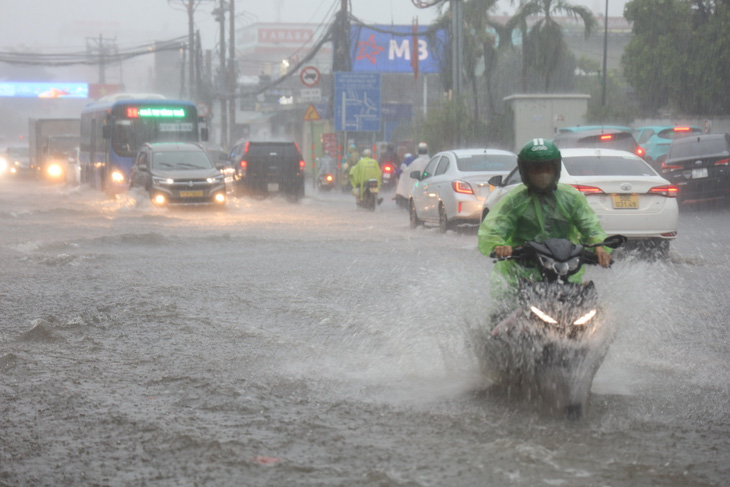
(503, 251)
(604, 258)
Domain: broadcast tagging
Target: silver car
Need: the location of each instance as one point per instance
(175, 173)
(452, 188)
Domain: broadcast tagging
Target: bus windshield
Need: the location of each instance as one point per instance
(134, 126)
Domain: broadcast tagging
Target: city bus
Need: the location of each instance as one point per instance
(115, 127)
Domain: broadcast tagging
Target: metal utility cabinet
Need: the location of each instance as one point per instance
(541, 115)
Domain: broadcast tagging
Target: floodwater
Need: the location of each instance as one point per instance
(277, 344)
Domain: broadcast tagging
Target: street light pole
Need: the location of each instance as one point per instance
(605, 55)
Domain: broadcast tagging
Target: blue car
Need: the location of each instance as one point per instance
(581, 128)
(656, 139)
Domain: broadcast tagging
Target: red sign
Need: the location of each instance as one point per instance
(309, 76)
(329, 143)
(285, 36)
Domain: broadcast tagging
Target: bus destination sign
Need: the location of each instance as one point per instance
(156, 112)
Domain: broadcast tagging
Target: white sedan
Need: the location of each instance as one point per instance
(454, 185)
(628, 196)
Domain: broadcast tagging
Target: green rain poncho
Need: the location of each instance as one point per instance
(366, 168)
(522, 216)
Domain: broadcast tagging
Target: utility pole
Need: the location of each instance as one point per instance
(220, 14)
(191, 50)
(103, 48)
(232, 74)
(457, 44)
(605, 56)
(341, 40)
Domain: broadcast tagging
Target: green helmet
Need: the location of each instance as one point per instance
(539, 151)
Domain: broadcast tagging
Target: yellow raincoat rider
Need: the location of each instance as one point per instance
(366, 168)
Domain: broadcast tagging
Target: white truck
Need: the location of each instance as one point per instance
(51, 142)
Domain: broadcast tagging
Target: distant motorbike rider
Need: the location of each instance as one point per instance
(389, 156)
(405, 183)
(353, 156)
(539, 209)
(365, 169)
(326, 165)
(407, 159)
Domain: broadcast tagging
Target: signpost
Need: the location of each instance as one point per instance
(357, 102)
(310, 76)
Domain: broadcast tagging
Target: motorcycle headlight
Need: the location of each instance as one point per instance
(117, 177)
(585, 318)
(543, 316)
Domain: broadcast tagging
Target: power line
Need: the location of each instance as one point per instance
(82, 58)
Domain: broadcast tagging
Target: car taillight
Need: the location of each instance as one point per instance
(681, 129)
(640, 152)
(587, 189)
(606, 137)
(670, 167)
(387, 168)
(724, 162)
(302, 164)
(243, 164)
(669, 190)
(462, 187)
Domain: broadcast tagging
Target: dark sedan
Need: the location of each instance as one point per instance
(700, 167)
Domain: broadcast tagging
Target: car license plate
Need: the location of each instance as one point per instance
(699, 173)
(626, 201)
(273, 187)
(191, 194)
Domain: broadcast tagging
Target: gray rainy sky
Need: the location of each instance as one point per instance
(51, 25)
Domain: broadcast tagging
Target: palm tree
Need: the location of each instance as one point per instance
(543, 46)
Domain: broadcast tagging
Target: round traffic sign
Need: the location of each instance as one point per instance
(309, 76)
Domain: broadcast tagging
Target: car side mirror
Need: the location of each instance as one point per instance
(105, 131)
(495, 180)
(614, 241)
(416, 175)
(204, 134)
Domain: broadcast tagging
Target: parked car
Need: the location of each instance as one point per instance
(176, 173)
(656, 139)
(454, 184)
(602, 138)
(628, 196)
(700, 167)
(266, 168)
(17, 161)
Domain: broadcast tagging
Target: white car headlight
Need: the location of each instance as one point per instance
(156, 180)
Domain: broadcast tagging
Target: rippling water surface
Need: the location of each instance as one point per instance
(315, 344)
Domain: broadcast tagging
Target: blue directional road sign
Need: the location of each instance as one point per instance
(357, 102)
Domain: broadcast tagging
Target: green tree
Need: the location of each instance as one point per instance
(544, 48)
(686, 66)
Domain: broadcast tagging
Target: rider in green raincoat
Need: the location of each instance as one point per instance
(366, 168)
(537, 210)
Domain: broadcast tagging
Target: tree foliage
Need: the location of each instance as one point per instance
(544, 47)
(679, 55)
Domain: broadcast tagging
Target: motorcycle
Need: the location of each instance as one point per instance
(325, 182)
(389, 179)
(554, 341)
(370, 197)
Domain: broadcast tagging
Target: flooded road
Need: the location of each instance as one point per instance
(275, 344)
